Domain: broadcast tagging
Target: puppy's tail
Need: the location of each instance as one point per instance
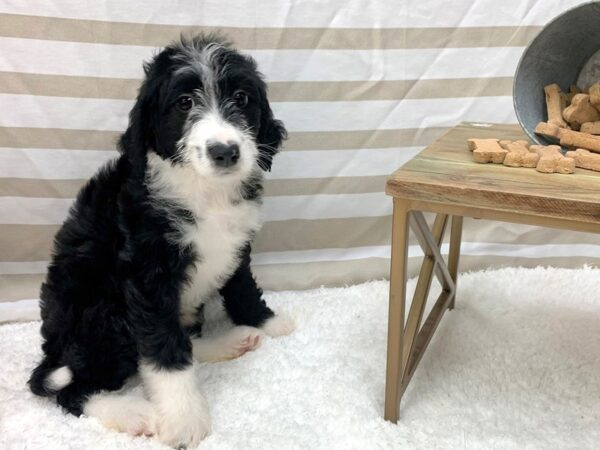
(47, 379)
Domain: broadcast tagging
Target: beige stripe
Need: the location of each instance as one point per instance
(23, 137)
(126, 89)
(334, 185)
(332, 140)
(299, 234)
(296, 276)
(20, 243)
(68, 86)
(390, 90)
(315, 275)
(79, 30)
(20, 287)
(31, 187)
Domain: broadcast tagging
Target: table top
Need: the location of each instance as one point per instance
(445, 173)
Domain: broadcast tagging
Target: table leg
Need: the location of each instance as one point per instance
(407, 344)
(400, 231)
(454, 254)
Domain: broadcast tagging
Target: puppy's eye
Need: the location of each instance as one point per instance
(185, 103)
(240, 98)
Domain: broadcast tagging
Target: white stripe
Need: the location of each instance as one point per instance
(376, 251)
(52, 211)
(103, 114)
(34, 211)
(334, 206)
(125, 61)
(375, 65)
(63, 112)
(320, 255)
(51, 164)
(528, 251)
(487, 12)
(340, 163)
(73, 58)
(289, 13)
(27, 267)
(19, 311)
(414, 251)
(369, 115)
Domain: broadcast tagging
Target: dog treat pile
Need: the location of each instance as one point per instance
(544, 158)
(573, 122)
(573, 118)
(578, 111)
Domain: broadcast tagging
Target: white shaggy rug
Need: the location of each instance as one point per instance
(515, 365)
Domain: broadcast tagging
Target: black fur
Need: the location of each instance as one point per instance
(111, 295)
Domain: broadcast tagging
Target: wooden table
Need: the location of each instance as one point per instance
(443, 179)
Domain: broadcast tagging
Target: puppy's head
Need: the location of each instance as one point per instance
(204, 104)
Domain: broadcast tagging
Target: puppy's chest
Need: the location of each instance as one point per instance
(216, 238)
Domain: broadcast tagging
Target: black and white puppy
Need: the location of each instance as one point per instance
(155, 234)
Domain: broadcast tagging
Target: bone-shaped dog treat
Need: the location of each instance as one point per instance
(580, 111)
(506, 142)
(573, 91)
(519, 154)
(569, 138)
(595, 95)
(556, 102)
(585, 159)
(591, 127)
(487, 150)
(552, 160)
(548, 130)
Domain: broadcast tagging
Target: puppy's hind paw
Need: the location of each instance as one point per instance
(279, 325)
(242, 339)
(233, 344)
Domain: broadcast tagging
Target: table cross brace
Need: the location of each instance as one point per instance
(407, 344)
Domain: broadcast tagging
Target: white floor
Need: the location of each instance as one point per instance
(515, 365)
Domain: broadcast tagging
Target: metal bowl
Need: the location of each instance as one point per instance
(566, 52)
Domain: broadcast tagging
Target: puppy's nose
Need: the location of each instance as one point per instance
(224, 155)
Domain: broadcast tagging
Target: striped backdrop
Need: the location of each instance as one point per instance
(362, 86)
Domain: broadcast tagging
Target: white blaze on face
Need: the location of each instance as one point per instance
(213, 129)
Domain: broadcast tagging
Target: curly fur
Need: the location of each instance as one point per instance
(160, 229)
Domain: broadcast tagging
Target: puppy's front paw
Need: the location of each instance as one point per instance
(181, 412)
(184, 426)
(279, 325)
(127, 413)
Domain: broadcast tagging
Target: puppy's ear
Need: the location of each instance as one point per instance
(141, 133)
(271, 133)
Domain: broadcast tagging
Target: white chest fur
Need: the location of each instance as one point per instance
(224, 223)
(216, 239)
